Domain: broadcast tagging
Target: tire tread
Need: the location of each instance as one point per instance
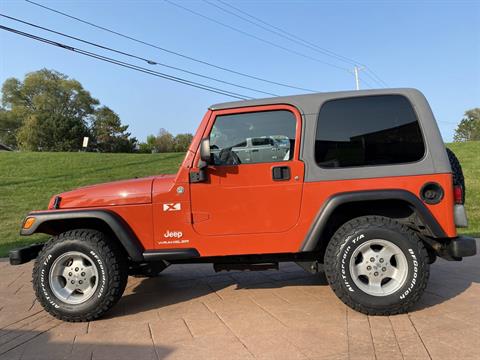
(341, 237)
(115, 267)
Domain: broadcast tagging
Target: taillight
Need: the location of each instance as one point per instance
(458, 194)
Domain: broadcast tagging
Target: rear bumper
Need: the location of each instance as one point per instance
(459, 247)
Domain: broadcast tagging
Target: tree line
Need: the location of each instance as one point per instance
(166, 142)
(48, 111)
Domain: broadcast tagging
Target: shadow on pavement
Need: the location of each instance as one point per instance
(39, 345)
(447, 280)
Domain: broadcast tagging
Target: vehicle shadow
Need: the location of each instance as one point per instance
(448, 280)
(53, 344)
(183, 283)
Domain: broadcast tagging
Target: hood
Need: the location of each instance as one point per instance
(125, 192)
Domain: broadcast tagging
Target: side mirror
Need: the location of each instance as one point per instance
(205, 159)
(205, 154)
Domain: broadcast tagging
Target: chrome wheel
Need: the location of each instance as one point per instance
(73, 277)
(378, 267)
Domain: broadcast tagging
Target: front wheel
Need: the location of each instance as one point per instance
(79, 275)
(377, 266)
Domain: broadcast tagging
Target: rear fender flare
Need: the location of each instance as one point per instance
(123, 232)
(323, 216)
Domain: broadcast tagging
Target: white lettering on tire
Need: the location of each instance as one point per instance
(102, 276)
(414, 277)
(44, 283)
(344, 259)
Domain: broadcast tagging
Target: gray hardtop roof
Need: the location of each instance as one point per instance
(310, 103)
(434, 161)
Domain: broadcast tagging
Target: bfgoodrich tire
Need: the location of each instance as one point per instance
(79, 275)
(377, 266)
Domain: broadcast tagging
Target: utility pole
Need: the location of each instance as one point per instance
(357, 82)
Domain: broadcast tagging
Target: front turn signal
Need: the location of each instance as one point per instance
(28, 223)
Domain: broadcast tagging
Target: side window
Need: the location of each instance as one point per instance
(368, 131)
(256, 137)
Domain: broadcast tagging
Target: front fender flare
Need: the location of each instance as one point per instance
(119, 227)
(320, 222)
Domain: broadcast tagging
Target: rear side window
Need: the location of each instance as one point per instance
(368, 131)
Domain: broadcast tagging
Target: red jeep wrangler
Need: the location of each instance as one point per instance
(356, 183)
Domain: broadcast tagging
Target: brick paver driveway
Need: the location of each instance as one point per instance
(192, 313)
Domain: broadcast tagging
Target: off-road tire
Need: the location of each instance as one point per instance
(112, 274)
(353, 234)
(457, 172)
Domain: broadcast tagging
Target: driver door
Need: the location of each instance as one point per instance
(250, 189)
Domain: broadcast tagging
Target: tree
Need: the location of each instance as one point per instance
(149, 146)
(109, 135)
(164, 142)
(182, 142)
(9, 125)
(469, 127)
(53, 110)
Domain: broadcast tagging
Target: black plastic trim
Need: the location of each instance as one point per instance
(461, 246)
(56, 202)
(170, 254)
(323, 216)
(24, 254)
(119, 227)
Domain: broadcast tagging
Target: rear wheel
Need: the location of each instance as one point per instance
(79, 275)
(376, 265)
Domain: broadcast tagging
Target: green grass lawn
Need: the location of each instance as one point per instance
(28, 180)
(469, 156)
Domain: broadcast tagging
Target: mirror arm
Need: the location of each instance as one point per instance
(202, 164)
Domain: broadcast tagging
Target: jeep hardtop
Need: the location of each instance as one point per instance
(358, 184)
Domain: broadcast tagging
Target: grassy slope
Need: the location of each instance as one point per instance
(469, 156)
(28, 180)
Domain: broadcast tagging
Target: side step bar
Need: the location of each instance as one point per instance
(243, 267)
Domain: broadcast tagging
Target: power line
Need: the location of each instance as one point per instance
(148, 61)
(370, 71)
(278, 31)
(365, 82)
(170, 51)
(256, 37)
(294, 38)
(127, 65)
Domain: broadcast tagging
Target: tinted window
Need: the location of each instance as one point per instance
(368, 131)
(267, 136)
(262, 141)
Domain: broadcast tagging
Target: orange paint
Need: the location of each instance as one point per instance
(239, 209)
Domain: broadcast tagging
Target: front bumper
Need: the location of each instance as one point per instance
(24, 254)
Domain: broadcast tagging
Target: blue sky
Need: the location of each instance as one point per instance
(430, 45)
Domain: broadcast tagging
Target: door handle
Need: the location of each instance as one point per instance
(281, 173)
